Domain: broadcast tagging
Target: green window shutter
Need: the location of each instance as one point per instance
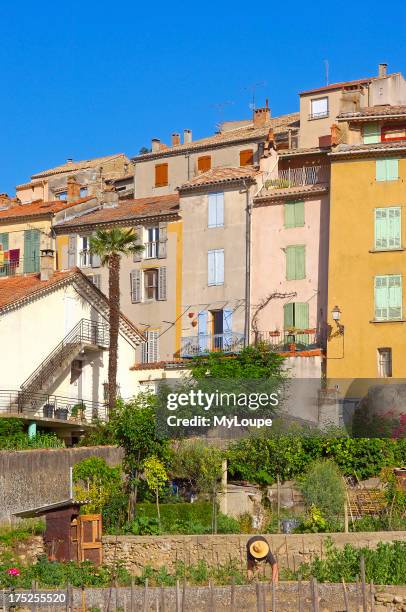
(392, 169)
(299, 214)
(380, 172)
(372, 133)
(288, 319)
(300, 263)
(289, 209)
(381, 228)
(388, 228)
(301, 315)
(394, 227)
(395, 296)
(31, 250)
(381, 298)
(290, 263)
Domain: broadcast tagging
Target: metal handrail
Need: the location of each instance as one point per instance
(84, 331)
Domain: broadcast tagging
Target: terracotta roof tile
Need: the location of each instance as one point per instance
(243, 133)
(39, 208)
(343, 84)
(384, 147)
(220, 175)
(76, 165)
(128, 209)
(15, 288)
(375, 111)
(281, 194)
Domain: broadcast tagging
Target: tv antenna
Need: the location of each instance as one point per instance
(326, 65)
(253, 87)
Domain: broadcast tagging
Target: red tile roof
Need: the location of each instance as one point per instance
(38, 208)
(15, 288)
(221, 175)
(73, 166)
(343, 84)
(375, 111)
(128, 210)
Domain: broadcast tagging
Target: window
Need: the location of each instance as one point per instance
(215, 264)
(151, 284)
(294, 214)
(85, 257)
(295, 262)
(95, 279)
(385, 362)
(247, 157)
(387, 169)
(216, 210)
(161, 175)
(204, 163)
(83, 192)
(296, 314)
(151, 247)
(62, 195)
(388, 297)
(387, 228)
(150, 350)
(371, 133)
(319, 108)
(393, 132)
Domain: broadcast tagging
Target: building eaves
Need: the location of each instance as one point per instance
(275, 196)
(370, 150)
(374, 112)
(75, 166)
(304, 151)
(38, 209)
(220, 176)
(344, 84)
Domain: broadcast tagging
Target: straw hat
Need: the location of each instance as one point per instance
(259, 549)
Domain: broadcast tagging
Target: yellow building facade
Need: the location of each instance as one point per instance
(367, 263)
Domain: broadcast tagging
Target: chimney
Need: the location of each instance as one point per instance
(73, 190)
(175, 139)
(155, 144)
(47, 262)
(335, 135)
(110, 198)
(187, 136)
(69, 160)
(262, 116)
(382, 70)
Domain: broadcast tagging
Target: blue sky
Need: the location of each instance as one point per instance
(85, 79)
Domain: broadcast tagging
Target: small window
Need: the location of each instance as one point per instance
(387, 169)
(161, 175)
(83, 192)
(216, 210)
(294, 214)
(215, 264)
(150, 284)
(387, 228)
(151, 247)
(62, 195)
(247, 157)
(385, 362)
(388, 297)
(319, 108)
(371, 133)
(204, 163)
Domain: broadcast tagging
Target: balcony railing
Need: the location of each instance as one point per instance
(19, 266)
(151, 249)
(51, 407)
(298, 177)
(288, 341)
(195, 346)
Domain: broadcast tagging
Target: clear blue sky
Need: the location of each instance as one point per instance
(85, 79)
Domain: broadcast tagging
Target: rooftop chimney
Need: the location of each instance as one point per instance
(175, 139)
(47, 262)
(382, 70)
(262, 116)
(69, 160)
(187, 136)
(73, 190)
(155, 144)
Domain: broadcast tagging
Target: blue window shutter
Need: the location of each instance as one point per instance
(220, 209)
(219, 267)
(212, 205)
(392, 169)
(371, 133)
(380, 170)
(227, 320)
(211, 268)
(202, 330)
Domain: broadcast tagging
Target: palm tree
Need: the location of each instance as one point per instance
(110, 245)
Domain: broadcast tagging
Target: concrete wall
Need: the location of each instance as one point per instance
(33, 478)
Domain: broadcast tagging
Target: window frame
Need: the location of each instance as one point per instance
(210, 197)
(386, 160)
(388, 306)
(388, 247)
(153, 272)
(313, 115)
(382, 364)
(294, 203)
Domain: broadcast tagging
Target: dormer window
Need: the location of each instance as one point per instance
(318, 108)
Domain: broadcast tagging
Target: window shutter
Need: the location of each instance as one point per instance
(381, 228)
(150, 350)
(163, 240)
(72, 248)
(204, 163)
(219, 267)
(288, 319)
(135, 280)
(300, 262)
(372, 133)
(31, 250)
(227, 320)
(289, 210)
(299, 214)
(161, 175)
(246, 157)
(394, 227)
(212, 205)
(138, 230)
(220, 209)
(202, 330)
(162, 291)
(381, 298)
(395, 296)
(95, 260)
(211, 268)
(380, 170)
(301, 315)
(290, 253)
(392, 169)
(4, 247)
(96, 280)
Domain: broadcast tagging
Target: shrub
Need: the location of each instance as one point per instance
(322, 487)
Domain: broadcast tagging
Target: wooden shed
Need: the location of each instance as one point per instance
(68, 535)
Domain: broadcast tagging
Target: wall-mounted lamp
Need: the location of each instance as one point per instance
(336, 314)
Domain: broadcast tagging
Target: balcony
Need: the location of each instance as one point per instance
(299, 177)
(19, 266)
(292, 340)
(196, 346)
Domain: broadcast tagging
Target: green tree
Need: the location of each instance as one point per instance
(156, 477)
(322, 487)
(110, 245)
(96, 483)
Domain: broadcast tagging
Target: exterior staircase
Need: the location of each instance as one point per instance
(86, 333)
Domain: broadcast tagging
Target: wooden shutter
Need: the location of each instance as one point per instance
(163, 240)
(162, 290)
(380, 170)
(371, 133)
(161, 175)
(302, 321)
(150, 352)
(219, 263)
(246, 157)
(4, 247)
(295, 262)
(227, 320)
(288, 315)
(211, 268)
(204, 163)
(216, 209)
(300, 262)
(72, 248)
(381, 298)
(95, 260)
(135, 281)
(392, 169)
(202, 330)
(381, 225)
(394, 227)
(139, 242)
(290, 263)
(294, 214)
(388, 228)
(31, 250)
(220, 209)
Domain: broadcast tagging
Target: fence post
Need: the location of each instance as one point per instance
(258, 596)
(347, 607)
(162, 599)
(184, 595)
(146, 595)
(233, 594)
(363, 584)
(132, 603)
(315, 595)
(273, 596)
(212, 598)
(299, 594)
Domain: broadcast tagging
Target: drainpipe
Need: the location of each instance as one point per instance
(247, 314)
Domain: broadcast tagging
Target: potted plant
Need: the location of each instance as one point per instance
(78, 412)
(275, 333)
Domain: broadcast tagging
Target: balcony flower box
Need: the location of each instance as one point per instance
(274, 334)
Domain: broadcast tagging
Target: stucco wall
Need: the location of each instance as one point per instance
(33, 478)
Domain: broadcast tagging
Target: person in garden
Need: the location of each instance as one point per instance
(258, 555)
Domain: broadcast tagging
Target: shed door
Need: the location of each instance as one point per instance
(90, 538)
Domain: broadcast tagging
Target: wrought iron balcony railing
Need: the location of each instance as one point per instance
(18, 266)
(291, 340)
(202, 344)
(298, 177)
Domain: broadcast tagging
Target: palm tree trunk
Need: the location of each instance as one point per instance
(114, 321)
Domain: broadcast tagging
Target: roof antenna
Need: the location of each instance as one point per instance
(253, 87)
(326, 67)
